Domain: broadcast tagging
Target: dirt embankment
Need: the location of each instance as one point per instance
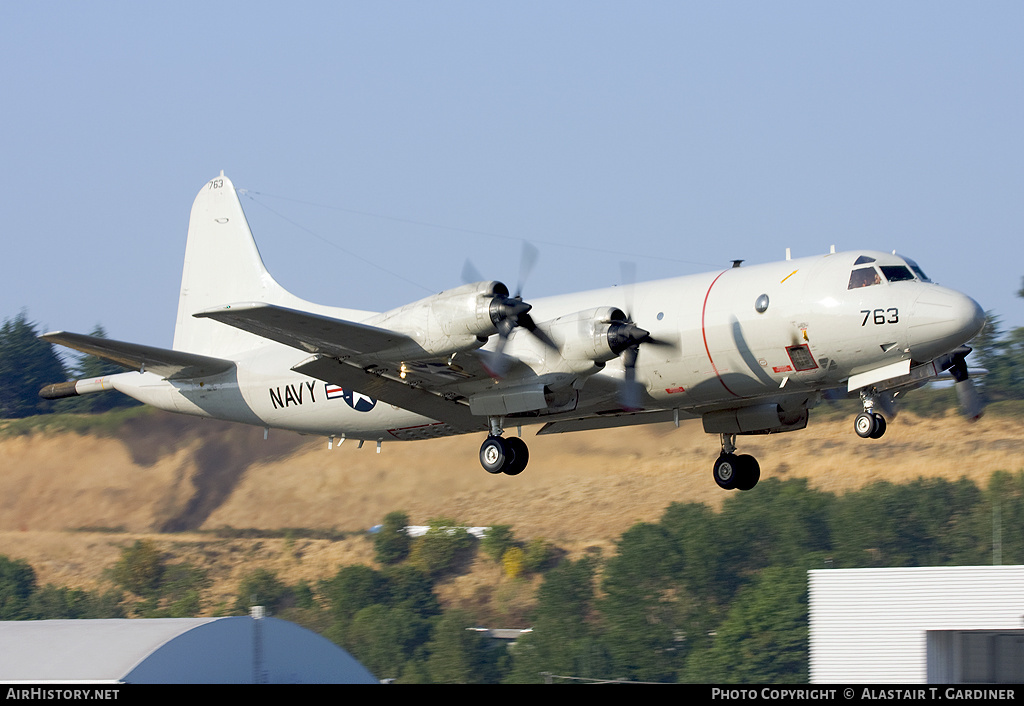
(164, 473)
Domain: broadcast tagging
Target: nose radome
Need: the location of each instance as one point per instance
(941, 320)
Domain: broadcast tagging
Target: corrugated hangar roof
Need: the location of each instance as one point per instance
(173, 650)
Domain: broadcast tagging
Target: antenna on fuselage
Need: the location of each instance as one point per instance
(737, 263)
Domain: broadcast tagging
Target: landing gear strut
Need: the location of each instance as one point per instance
(501, 455)
(869, 424)
(732, 471)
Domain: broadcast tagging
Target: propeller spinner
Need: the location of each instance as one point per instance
(509, 312)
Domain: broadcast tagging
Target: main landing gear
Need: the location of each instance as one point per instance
(503, 455)
(735, 471)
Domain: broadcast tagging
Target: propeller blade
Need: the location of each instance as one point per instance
(527, 259)
(629, 395)
(526, 321)
(470, 274)
(971, 403)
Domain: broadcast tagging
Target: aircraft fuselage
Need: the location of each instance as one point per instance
(782, 331)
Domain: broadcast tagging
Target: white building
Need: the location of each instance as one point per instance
(238, 650)
(962, 624)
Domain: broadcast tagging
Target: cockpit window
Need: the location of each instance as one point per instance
(917, 270)
(897, 273)
(863, 260)
(864, 277)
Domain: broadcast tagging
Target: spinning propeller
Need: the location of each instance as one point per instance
(509, 312)
(624, 338)
(971, 403)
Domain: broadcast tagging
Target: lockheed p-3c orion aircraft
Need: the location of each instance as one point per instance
(748, 350)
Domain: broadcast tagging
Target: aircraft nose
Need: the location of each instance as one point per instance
(941, 320)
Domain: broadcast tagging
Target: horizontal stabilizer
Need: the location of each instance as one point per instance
(307, 332)
(173, 365)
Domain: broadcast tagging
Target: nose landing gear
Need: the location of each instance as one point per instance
(869, 424)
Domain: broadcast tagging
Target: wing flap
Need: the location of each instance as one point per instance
(170, 364)
(400, 394)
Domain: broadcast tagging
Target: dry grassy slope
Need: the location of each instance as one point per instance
(165, 472)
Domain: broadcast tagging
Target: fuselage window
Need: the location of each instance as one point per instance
(864, 277)
(897, 273)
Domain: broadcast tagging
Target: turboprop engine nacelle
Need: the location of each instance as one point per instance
(455, 320)
(592, 337)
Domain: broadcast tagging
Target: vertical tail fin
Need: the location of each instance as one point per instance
(222, 266)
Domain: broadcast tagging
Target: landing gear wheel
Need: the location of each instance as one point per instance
(501, 455)
(749, 472)
(869, 425)
(519, 456)
(725, 471)
(736, 472)
(494, 454)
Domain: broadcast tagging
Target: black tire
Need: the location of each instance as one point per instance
(865, 425)
(749, 472)
(519, 456)
(879, 426)
(726, 471)
(494, 454)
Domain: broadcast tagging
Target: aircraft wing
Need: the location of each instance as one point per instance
(170, 364)
(344, 354)
(401, 394)
(305, 331)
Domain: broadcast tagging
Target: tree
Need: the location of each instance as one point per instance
(638, 610)
(512, 562)
(563, 639)
(1001, 354)
(27, 364)
(17, 583)
(999, 520)
(89, 366)
(459, 654)
(140, 569)
(408, 587)
(445, 544)
(60, 602)
(262, 587)
(391, 544)
(763, 639)
(385, 638)
(498, 540)
(353, 588)
(923, 523)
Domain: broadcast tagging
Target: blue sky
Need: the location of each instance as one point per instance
(383, 144)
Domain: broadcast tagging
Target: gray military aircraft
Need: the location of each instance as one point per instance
(748, 350)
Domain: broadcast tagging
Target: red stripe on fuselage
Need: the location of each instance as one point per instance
(704, 333)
